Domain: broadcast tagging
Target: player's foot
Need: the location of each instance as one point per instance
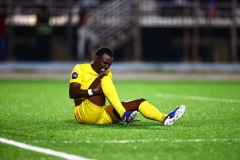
(174, 115)
(128, 116)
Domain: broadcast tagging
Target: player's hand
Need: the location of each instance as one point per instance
(96, 85)
(101, 75)
(97, 90)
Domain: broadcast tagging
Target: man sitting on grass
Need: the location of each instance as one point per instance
(91, 84)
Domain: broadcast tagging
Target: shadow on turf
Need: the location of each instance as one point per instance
(133, 125)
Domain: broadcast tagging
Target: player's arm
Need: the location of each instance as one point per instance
(76, 92)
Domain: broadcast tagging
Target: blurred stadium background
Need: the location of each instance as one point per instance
(146, 35)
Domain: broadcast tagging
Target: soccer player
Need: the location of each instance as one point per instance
(90, 86)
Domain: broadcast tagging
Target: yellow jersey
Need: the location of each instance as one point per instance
(85, 75)
(88, 112)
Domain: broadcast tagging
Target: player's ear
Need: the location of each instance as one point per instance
(95, 58)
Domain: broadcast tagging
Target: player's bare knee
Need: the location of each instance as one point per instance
(142, 100)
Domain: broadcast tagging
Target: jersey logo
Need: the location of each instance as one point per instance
(74, 75)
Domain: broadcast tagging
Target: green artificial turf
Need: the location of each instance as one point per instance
(40, 113)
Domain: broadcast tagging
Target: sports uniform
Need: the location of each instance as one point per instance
(88, 112)
(90, 86)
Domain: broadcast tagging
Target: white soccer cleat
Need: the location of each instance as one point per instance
(174, 115)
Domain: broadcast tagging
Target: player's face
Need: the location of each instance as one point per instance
(102, 63)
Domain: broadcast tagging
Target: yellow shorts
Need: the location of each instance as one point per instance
(89, 113)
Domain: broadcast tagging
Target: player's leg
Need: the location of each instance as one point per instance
(109, 91)
(146, 109)
(151, 112)
(141, 105)
(111, 94)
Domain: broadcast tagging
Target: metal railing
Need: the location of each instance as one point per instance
(113, 21)
(116, 21)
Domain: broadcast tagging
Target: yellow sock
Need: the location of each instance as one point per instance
(151, 112)
(110, 92)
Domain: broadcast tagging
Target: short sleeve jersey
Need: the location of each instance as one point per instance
(85, 75)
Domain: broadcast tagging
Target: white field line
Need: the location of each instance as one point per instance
(175, 141)
(42, 150)
(148, 141)
(197, 98)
